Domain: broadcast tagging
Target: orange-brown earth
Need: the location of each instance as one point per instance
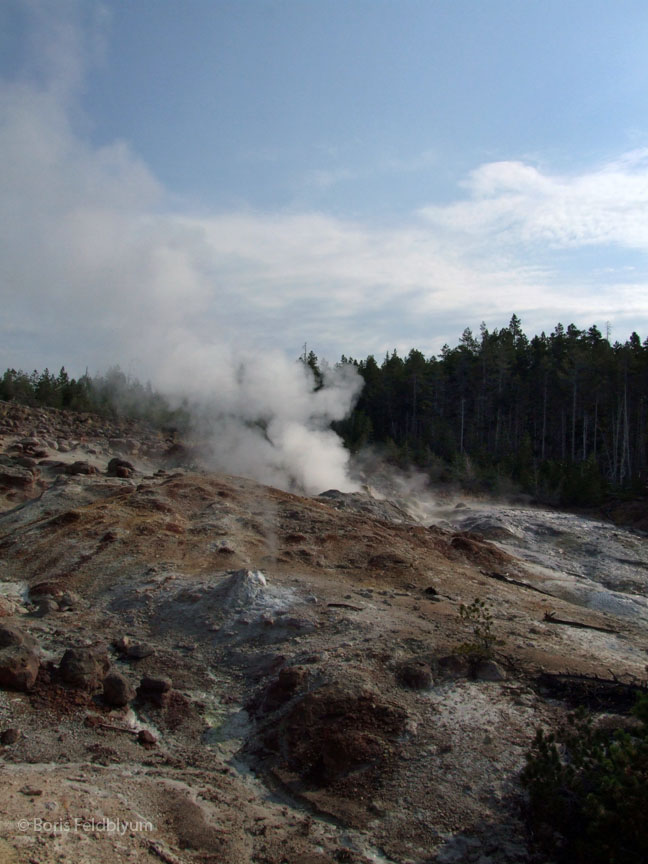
(310, 701)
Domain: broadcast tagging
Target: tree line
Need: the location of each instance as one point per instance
(564, 415)
(112, 394)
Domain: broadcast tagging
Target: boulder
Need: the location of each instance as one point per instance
(119, 468)
(46, 606)
(84, 668)
(80, 467)
(19, 667)
(11, 636)
(15, 477)
(156, 690)
(489, 670)
(415, 674)
(117, 690)
(10, 736)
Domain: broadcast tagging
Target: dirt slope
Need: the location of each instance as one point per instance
(295, 659)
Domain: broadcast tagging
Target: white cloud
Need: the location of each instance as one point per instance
(99, 266)
(514, 202)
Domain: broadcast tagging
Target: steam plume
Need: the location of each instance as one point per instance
(260, 416)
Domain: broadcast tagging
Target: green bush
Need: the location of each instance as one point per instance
(588, 791)
(481, 646)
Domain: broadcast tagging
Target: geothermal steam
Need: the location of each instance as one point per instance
(261, 417)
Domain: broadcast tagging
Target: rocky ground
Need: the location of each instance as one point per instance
(196, 668)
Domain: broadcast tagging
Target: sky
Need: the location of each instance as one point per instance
(356, 176)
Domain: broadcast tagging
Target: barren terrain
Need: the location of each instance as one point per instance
(285, 677)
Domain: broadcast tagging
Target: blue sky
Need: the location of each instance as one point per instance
(357, 175)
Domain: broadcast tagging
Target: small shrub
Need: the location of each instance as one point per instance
(588, 791)
(478, 617)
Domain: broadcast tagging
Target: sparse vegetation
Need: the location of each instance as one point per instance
(481, 646)
(588, 791)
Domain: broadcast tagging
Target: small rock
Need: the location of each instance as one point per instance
(26, 462)
(109, 536)
(80, 467)
(7, 608)
(119, 468)
(117, 691)
(133, 650)
(489, 670)
(10, 736)
(11, 635)
(19, 667)
(156, 690)
(156, 684)
(415, 674)
(68, 600)
(46, 606)
(454, 666)
(139, 650)
(146, 738)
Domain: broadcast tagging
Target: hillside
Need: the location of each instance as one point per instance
(284, 676)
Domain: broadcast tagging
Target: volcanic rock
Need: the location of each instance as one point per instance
(415, 674)
(84, 668)
(155, 689)
(19, 667)
(117, 691)
(14, 476)
(119, 468)
(10, 736)
(80, 467)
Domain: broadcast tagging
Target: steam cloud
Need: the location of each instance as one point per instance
(101, 267)
(260, 417)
